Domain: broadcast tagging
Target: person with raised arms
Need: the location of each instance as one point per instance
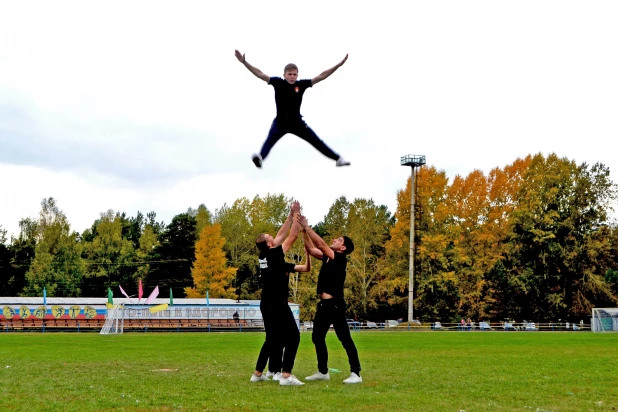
(288, 98)
(331, 308)
(282, 334)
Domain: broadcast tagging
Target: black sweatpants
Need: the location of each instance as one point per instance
(332, 312)
(299, 128)
(282, 339)
(269, 342)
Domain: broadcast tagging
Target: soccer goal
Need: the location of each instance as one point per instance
(604, 320)
(114, 320)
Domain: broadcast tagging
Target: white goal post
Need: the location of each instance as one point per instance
(114, 320)
(604, 320)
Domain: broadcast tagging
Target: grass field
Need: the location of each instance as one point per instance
(402, 371)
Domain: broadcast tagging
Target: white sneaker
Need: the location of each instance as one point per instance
(269, 375)
(354, 378)
(255, 378)
(257, 160)
(292, 381)
(340, 162)
(318, 376)
(277, 376)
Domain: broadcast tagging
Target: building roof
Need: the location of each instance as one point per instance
(103, 301)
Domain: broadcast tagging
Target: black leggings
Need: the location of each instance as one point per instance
(300, 129)
(332, 312)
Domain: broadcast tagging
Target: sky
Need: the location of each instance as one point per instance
(142, 106)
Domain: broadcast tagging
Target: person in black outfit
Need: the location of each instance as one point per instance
(288, 98)
(331, 308)
(282, 334)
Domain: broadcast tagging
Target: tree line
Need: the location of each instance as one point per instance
(533, 240)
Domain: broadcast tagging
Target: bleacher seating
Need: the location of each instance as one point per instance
(67, 324)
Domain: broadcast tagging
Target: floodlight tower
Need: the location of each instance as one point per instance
(413, 161)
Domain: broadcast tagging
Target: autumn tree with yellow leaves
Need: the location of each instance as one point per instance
(210, 271)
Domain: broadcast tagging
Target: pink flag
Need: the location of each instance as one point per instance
(140, 291)
(124, 293)
(153, 295)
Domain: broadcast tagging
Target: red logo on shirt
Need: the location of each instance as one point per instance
(296, 89)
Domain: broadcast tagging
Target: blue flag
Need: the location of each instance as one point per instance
(44, 297)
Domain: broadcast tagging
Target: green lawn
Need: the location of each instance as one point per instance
(420, 371)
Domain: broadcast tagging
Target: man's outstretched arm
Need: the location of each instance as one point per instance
(257, 72)
(283, 231)
(310, 247)
(319, 243)
(307, 266)
(287, 225)
(289, 241)
(328, 72)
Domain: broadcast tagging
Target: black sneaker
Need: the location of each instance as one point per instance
(257, 160)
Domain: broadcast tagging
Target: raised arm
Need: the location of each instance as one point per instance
(328, 72)
(307, 266)
(316, 240)
(257, 72)
(287, 225)
(283, 230)
(289, 241)
(311, 249)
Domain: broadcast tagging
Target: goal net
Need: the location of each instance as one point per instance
(604, 320)
(114, 320)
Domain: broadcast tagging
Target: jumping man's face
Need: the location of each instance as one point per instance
(291, 76)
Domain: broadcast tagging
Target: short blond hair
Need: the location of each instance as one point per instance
(289, 67)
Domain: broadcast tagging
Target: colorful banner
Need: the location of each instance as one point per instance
(178, 311)
(55, 312)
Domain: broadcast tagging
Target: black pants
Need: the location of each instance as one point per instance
(332, 312)
(282, 339)
(278, 129)
(269, 342)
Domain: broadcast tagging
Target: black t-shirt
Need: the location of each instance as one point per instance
(274, 276)
(289, 97)
(332, 275)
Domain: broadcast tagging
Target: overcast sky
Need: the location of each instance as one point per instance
(141, 105)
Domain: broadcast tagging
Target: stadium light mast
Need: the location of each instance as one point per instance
(413, 161)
